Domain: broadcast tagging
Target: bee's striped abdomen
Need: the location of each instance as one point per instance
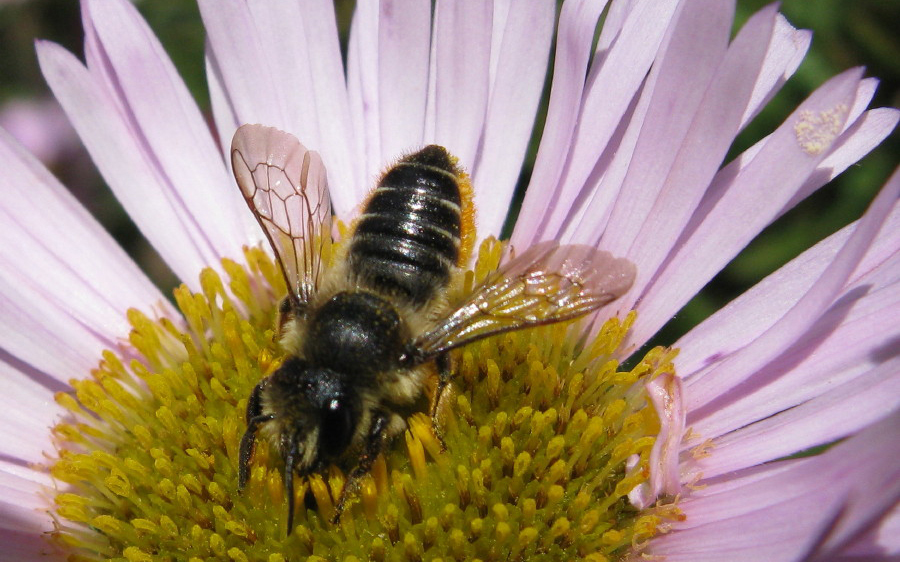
(407, 239)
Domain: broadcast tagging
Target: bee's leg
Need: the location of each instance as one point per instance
(255, 418)
(374, 444)
(289, 458)
(443, 367)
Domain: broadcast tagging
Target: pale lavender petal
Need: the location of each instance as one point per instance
(750, 202)
(674, 142)
(841, 411)
(248, 77)
(151, 144)
(577, 21)
(825, 502)
(848, 343)
(800, 317)
(782, 533)
(404, 46)
(363, 91)
(877, 540)
(698, 142)
(864, 94)
(29, 412)
(223, 112)
(865, 134)
(52, 292)
(23, 515)
(743, 319)
(280, 65)
(872, 127)
(167, 127)
(612, 24)
(522, 49)
(589, 219)
(331, 106)
(569, 153)
(462, 40)
(787, 50)
(139, 186)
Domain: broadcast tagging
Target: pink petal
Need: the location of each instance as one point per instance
(151, 144)
(864, 135)
(248, 78)
(135, 181)
(878, 539)
(363, 91)
(752, 200)
(782, 533)
(589, 220)
(835, 414)
(29, 413)
(404, 46)
(694, 51)
(462, 40)
(223, 111)
(787, 50)
(700, 139)
(577, 22)
(756, 310)
(53, 294)
(848, 342)
(40, 125)
(166, 124)
(802, 509)
(580, 126)
(801, 316)
(23, 515)
(521, 47)
(280, 65)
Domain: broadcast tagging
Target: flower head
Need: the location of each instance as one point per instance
(554, 449)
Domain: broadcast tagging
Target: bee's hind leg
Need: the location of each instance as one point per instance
(374, 445)
(443, 367)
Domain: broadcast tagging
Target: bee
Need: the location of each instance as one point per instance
(363, 337)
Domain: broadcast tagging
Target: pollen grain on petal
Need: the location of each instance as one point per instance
(815, 132)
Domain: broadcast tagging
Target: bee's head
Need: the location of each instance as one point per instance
(320, 411)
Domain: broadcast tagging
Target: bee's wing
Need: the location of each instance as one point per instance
(286, 187)
(546, 284)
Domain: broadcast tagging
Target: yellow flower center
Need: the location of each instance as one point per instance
(539, 426)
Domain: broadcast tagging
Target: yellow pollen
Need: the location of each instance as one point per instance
(816, 131)
(538, 429)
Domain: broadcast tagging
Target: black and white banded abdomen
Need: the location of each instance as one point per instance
(407, 240)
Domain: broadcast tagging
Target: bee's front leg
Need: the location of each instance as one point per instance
(443, 367)
(255, 418)
(374, 445)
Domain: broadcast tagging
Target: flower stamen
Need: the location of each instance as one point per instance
(546, 438)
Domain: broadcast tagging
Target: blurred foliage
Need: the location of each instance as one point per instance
(846, 34)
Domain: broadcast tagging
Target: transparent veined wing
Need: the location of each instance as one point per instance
(286, 187)
(548, 283)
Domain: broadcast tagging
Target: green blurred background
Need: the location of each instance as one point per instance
(846, 34)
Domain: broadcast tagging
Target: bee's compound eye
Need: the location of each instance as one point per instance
(338, 426)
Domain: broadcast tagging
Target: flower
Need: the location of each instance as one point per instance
(630, 159)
